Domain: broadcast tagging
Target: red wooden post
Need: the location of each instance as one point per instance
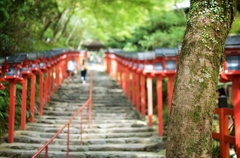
(116, 72)
(110, 64)
(120, 74)
(143, 96)
(13, 75)
(24, 104)
(128, 83)
(167, 57)
(53, 79)
(40, 93)
(113, 68)
(60, 75)
(125, 81)
(236, 104)
(150, 100)
(43, 83)
(232, 73)
(133, 88)
(57, 73)
(60, 70)
(26, 73)
(49, 83)
(137, 93)
(32, 99)
(46, 88)
(160, 106)
(158, 72)
(55, 76)
(122, 78)
(224, 146)
(65, 74)
(11, 112)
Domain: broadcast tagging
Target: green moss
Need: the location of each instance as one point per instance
(196, 115)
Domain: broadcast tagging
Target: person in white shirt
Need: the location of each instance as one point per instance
(71, 67)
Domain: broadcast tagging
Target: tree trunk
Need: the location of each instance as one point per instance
(48, 24)
(57, 25)
(64, 26)
(190, 124)
(71, 33)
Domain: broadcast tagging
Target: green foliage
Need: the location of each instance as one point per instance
(4, 104)
(28, 25)
(158, 31)
(22, 24)
(4, 16)
(235, 25)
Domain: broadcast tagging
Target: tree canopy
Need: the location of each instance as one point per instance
(35, 25)
(28, 25)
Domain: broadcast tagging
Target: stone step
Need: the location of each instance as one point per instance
(94, 115)
(96, 110)
(113, 102)
(95, 119)
(106, 102)
(87, 147)
(96, 106)
(64, 119)
(98, 126)
(89, 154)
(117, 130)
(40, 137)
(87, 141)
(94, 131)
(106, 112)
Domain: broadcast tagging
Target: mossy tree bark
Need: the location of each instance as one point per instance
(190, 124)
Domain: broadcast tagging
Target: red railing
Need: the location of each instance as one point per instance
(129, 72)
(67, 125)
(223, 136)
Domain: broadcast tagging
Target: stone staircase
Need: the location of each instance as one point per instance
(117, 131)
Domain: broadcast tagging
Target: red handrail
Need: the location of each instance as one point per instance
(223, 136)
(79, 111)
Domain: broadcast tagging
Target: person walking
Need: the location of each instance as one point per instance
(83, 71)
(71, 67)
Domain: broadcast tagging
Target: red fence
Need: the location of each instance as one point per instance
(223, 136)
(134, 69)
(50, 66)
(67, 125)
